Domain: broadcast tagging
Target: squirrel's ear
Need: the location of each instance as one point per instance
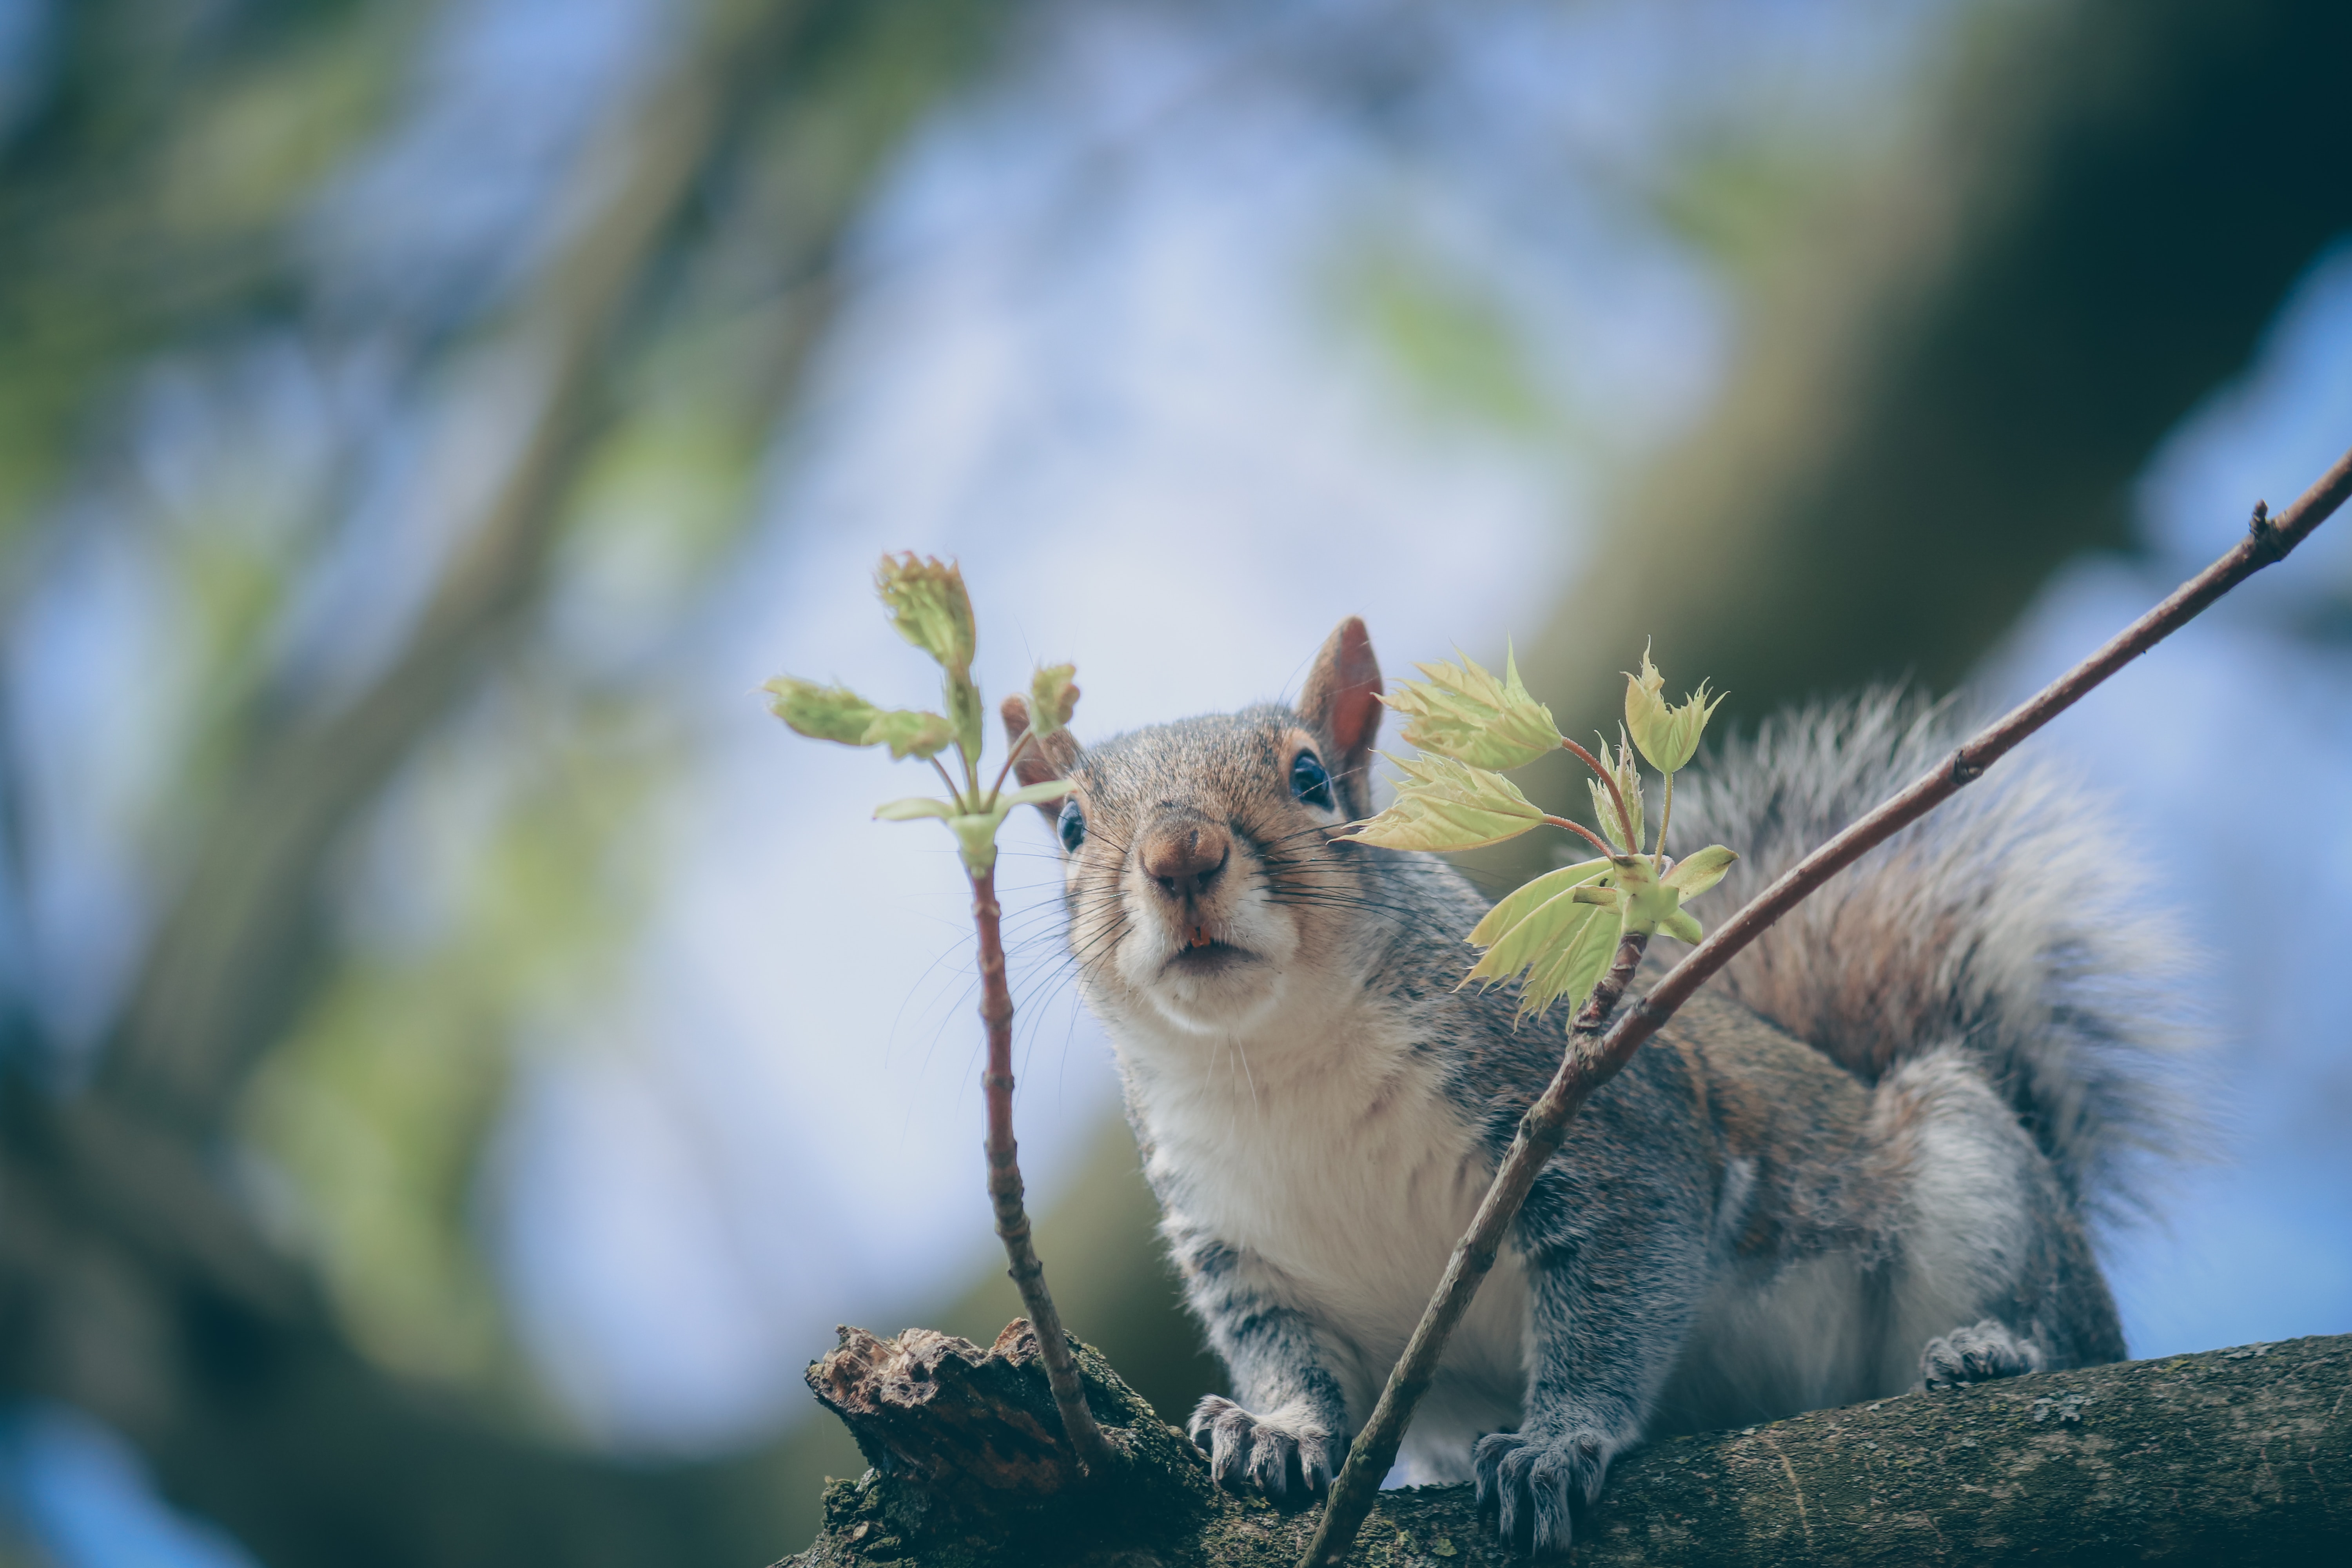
(1342, 702)
(1051, 758)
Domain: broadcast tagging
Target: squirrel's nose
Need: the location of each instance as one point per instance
(1184, 857)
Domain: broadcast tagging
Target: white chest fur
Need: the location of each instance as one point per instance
(1327, 1157)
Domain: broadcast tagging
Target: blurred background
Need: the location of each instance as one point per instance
(459, 1056)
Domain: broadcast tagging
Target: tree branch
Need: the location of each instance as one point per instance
(2225, 1457)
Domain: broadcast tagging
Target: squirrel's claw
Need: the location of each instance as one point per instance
(1530, 1484)
(1978, 1354)
(1268, 1455)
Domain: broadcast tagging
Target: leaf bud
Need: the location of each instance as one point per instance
(1668, 736)
(820, 712)
(1053, 697)
(928, 606)
(1443, 804)
(1464, 712)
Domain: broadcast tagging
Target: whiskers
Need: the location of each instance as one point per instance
(1241, 1053)
(1305, 869)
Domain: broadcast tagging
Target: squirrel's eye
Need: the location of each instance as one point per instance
(1072, 826)
(1309, 782)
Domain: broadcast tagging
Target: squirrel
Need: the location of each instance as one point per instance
(1866, 1157)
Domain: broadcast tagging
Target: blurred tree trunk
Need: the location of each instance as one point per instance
(1949, 393)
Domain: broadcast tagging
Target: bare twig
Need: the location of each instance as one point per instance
(1624, 812)
(1583, 832)
(1588, 1063)
(1004, 1187)
(1005, 772)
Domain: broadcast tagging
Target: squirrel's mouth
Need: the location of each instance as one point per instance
(1204, 955)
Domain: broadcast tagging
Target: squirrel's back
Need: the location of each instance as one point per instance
(2009, 922)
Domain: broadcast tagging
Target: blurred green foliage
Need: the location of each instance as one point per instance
(376, 1109)
(1454, 345)
(145, 195)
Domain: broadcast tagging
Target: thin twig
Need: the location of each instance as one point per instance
(1588, 1063)
(1594, 838)
(955, 794)
(1004, 1188)
(1005, 772)
(1624, 812)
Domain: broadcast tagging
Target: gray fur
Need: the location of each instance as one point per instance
(2011, 920)
(1740, 1226)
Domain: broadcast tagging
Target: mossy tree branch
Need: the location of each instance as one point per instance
(2230, 1456)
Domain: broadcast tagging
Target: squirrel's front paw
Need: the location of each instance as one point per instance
(1976, 1355)
(1273, 1453)
(1529, 1483)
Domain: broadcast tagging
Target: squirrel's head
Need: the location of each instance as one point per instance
(1202, 881)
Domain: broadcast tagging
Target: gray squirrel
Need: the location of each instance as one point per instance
(1862, 1158)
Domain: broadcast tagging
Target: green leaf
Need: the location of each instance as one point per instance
(910, 732)
(822, 713)
(929, 608)
(1053, 697)
(1462, 711)
(1443, 804)
(1667, 736)
(1038, 794)
(1544, 928)
(1682, 927)
(1573, 969)
(912, 807)
(1694, 874)
(1519, 905)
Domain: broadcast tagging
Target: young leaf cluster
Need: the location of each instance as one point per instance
(1557, 933)
(929, 607)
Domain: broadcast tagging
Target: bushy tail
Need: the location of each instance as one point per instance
(2008, 920)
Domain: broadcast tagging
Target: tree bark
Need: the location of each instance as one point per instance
(2241, 1455)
